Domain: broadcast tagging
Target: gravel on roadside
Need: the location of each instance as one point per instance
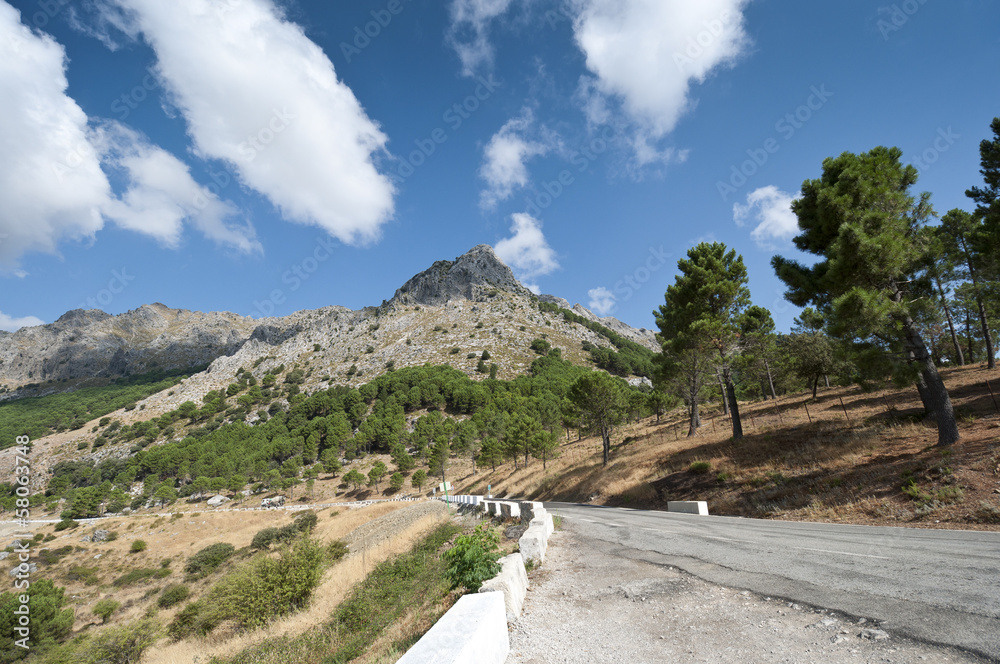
(588, 605)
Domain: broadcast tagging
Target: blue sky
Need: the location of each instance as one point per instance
(262, 157)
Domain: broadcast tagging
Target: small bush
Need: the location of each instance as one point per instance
(138, 546)
(140, 574)
(122, 645)
(86, 575)
(206, 561)
(336, 550)
(172, 595)
(66, 523)
(192, 619)
(104, 608)
(700, 467)
(474, 557)
(265, 588)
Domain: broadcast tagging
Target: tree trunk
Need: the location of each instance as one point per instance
(770, 380)
(606, 438)
(815, 385)
(722, 386)
(968, 335)
(991, 362)
(933, 392)
(734, 406)
(695, 420)
(951, 323)
(827, 379)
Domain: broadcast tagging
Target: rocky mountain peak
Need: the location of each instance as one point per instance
(476, 275)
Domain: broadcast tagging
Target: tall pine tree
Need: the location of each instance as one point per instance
(864, 224)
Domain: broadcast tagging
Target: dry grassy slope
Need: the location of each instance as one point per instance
(177, 537)
(790, 468)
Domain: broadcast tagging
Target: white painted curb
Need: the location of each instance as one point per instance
(688, 507)
(474, 631)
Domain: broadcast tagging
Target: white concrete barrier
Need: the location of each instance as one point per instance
(529, 509)
(509, 510)
(545, 521)
(688, 507)
(474, 631)
(512, 581)
(533, 543)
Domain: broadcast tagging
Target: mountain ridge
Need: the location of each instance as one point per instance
(473, 303)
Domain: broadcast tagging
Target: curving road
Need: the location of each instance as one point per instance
(938, 586)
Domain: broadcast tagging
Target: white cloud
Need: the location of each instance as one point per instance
(51, 178)
(771, 209)
(257, 94)
(526, 251)
(602, 301)
(51, 182)
(11, 324)
(162, 194)
(506, 155)
(469, 31)
(647, 52)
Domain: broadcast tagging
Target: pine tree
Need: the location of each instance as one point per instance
(702, 315)
(601, 400)
(863, 223)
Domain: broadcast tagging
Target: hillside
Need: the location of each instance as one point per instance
(801, 459)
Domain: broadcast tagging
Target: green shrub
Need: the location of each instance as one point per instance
(138, 546)
(122, 645)
(86, 575)
(206, 561)
(700, 467)
(104, 608)
(265, 588)
(336, 550)
(192, 619)
(474, 557)
(173, 594)
(66, 523)
(141, 574)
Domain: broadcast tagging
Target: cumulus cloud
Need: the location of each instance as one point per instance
(162, 194)
(256, 93)
(771, 209)
(11, 324)
(52, 177)
(469, 31)
(51, 182)
(647, 52)
(602, 301)
(526, 251)
(506, 156)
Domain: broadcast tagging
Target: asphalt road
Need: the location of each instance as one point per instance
(938, 586)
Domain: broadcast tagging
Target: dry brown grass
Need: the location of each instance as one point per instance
(334, 587)
(791, 464)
